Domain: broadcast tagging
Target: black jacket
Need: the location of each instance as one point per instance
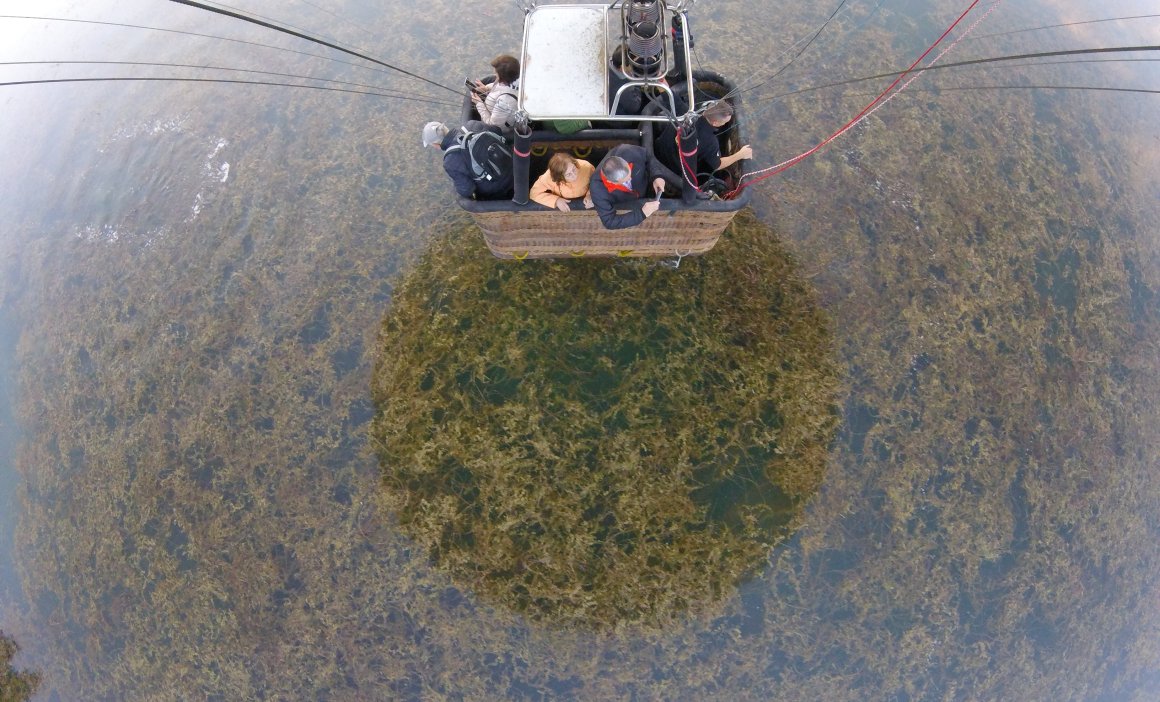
(645, 169)
(708, 157)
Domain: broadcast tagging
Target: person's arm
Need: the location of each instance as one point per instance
(609, 217)
(745, 152)
(481, 108)
(542, 192)
(473, 125)
(464, 183)
(501, 113)
(656, 169)
(586, 170)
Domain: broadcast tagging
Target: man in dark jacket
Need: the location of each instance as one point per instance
(708, 158)
(622, 177)
(457, 162)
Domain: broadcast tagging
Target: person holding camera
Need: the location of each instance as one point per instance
(497, 101)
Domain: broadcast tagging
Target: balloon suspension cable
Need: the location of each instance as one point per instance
(881, 99)
(286, 30)
(147, 79)
(386, 92)
(204, 36)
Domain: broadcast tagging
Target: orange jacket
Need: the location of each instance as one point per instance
(547, 193)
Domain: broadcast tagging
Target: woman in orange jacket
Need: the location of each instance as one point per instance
(566, 179)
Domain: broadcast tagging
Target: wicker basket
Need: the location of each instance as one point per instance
(677, 229)
(554, 234)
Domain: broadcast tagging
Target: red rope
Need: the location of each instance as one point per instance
(800, 157)
(685, 168)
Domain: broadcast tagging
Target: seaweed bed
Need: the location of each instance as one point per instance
(211, 509)
(598, 444)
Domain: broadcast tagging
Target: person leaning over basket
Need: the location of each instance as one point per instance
(622, 177)
(708, 158)
(566, 179)
(458, 165)
(497, 102)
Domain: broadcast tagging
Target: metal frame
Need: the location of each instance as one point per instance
(680, 8)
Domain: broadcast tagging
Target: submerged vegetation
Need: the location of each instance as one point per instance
(15, 685)
(599, 443)
(200, 513)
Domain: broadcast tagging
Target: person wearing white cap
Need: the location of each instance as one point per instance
(433, 133)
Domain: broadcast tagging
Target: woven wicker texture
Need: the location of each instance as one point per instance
(579, 233)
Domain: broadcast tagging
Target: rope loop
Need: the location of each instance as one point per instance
(685, 168)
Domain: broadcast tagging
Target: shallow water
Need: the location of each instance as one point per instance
(200, 513)
(598, 447)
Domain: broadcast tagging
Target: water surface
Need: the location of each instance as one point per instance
(200, 513)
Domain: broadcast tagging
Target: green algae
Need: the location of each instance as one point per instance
(599, 444)
(15, 685)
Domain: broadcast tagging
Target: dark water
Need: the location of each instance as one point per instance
(190, 353)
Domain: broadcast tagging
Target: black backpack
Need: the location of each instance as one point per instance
(490, 156)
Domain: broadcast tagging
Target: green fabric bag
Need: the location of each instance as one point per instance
(569, 126)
